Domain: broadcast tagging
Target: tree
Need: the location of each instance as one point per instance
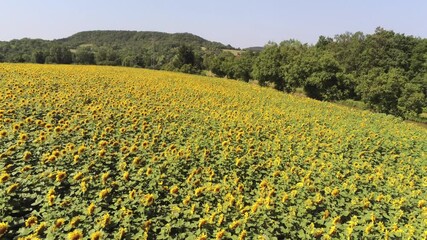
(321, 76)
(242, 67)
(59, 54)
(386, 49)
(186, 55)
(292, 51)
(411, 101)
(347, 49)
(267, 67)
(107, 56)
(38, 57)
(324, 42)
(129, 61)
(381, 90)
(219, 62)
(185, 60)
(84, 55)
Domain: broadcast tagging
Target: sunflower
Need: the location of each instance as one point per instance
(75, 235)
(91, 209)
(31, 221)
(60, 175)
(105, 220)
(12, 188)
(3, 228)
(4, 177)
(96, 235)
(103, 193)
(59, 222)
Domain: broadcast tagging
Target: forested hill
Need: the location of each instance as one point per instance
(124, 39)
(156, 50)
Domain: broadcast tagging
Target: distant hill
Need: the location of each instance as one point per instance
(254, 49)
(157, 50)
(125, 39)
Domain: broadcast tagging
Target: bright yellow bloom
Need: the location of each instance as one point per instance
(60, 175)
(202, 222)
(4, 177)
(75, 235)
(243, 235)
(126, 176)
(422, 203)
(121, 234)
(3, 228)
(174, 190)
(203, 236)
(186, 200)
(336, 220)
(96, 235)
(41, 228)
(234, 224)
(78, 176)
(83, 186)
(105, 220)
(27, 155)
(335, 192)
(136, 161)
(104, 177)
(12, 188)
(368, 228)
(220, 234)
(3, 133)
(74, 221)
(59, 222)
(148, 199)
(16, 127)
(31, 221)
(103, 193)
(91, 209)
(76, 159)
(132, 194)
(220, 219)
(81, 149)
(102, 153)
(102, 143)
(51, 158)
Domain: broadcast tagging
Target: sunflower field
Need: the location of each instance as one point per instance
(120, 153)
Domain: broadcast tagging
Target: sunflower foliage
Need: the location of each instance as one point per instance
(92, 152)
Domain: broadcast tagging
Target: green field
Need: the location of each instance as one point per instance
(119, 153)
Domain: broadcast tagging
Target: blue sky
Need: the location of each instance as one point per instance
(241, 23)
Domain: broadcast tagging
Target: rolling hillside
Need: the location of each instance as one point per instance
(124, 39)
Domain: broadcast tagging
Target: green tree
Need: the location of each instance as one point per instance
(242, 67)
(267, 66)
(129, 61)
(292, 51)
(219, 62)
(381, 90)
(38, 57)
(411, 101)
(59, 54)
(185, 60)
(107, 56)
(321, 76)
(84, 55)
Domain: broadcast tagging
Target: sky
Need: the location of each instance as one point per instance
(240, 23)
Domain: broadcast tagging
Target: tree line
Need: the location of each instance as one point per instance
(385, 70)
